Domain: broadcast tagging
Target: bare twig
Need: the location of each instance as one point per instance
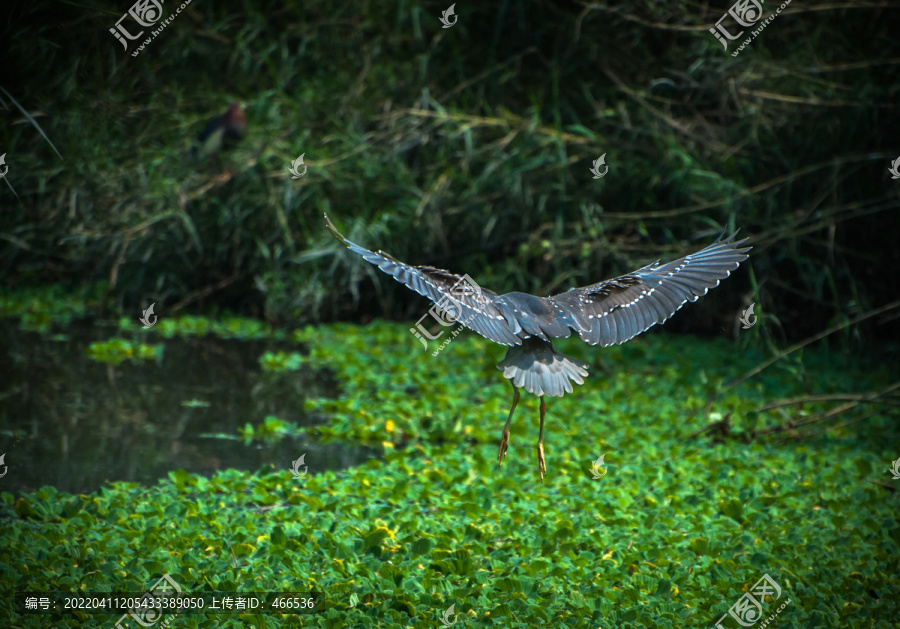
(24, 245)
(493, 121)
(498, 66)
(793, 348)
(669, 120)
(880, 483)
(836, 397)
(798, 100)
(201, 293)
(843, 408)
(721, 427)
(808, 435)
(33, 122)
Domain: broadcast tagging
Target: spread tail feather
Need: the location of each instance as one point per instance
(540, 369)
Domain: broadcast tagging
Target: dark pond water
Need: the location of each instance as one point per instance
(74, 423)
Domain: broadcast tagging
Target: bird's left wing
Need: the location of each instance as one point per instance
(467, 302)
(616, 310)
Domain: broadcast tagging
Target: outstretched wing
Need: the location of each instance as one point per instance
(614, 311)
(468, 303)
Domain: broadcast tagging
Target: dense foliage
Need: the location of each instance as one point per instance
(678, 529)
(467, 148)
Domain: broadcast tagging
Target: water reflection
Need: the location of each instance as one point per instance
(74, 423)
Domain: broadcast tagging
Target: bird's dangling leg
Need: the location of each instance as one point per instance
(542, 467)
(504, 440)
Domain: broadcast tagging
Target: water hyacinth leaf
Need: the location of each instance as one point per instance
(734, 509)
(700, 546)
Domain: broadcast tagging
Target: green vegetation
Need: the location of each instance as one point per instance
(281, 361)
(114, 351)
(40, 309)
(271, 429)
(465, 148)
(673, 535)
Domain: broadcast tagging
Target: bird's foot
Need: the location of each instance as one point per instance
(504, 446)
(542, 467)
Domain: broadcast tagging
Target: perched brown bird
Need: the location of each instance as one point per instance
(221, 133)
(606, 313)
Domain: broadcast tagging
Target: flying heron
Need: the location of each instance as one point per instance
(606, 313)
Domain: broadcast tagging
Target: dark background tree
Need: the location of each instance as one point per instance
(465, 148)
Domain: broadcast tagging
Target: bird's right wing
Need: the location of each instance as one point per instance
(458, 295)
(616, 310)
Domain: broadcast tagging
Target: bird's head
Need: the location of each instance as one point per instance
(235, 120)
